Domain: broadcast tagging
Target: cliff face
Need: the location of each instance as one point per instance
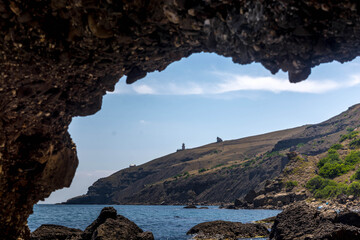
(58, 58)
(218, 172)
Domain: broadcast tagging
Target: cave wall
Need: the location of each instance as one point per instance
(59, 57)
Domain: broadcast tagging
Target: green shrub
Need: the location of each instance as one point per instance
(350, 135)
(331, 191)
(332, 151)
(336, 146)
(355, 143)
(354, 189)
(216, 166)
(202, 170)
(332, 157)
(356, 175)
(300, 145)
(272, 154)
(325, 188)
(332, 166)
(352, 158)
(248, 163)
(314, 183)
(350, 129)
(332, 170)
(291, 184)
(317, 183)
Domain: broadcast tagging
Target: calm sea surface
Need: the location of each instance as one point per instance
(166, 222)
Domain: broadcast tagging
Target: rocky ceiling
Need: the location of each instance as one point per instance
(59, 57)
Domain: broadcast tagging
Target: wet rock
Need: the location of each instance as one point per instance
(231, 206)
(227, 230)
(190, 206)
(203, 208)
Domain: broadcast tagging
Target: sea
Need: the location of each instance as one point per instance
(165, 222)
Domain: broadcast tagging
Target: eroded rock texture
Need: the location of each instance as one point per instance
(59, 57)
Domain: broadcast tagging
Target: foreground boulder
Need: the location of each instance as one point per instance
(228, 230)
(301, 221)
(55, 232)
(108, 226)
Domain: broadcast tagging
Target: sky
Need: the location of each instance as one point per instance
(195, 100)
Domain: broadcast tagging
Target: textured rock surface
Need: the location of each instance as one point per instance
(108, 226)
(58, 58)
(301, 221)
(227, 230)
(55, 232)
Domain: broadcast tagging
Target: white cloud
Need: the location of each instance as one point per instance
(143, 122)
(144, 89)
(230, 82)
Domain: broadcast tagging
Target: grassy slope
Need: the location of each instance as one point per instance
(199, 172)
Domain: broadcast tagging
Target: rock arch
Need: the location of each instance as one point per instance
(59, 57)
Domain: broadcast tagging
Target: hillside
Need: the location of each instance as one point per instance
(217, 172)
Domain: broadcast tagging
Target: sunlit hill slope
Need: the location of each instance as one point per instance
(218, 172)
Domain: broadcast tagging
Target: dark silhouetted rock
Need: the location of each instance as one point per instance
(55, 232)
(295, 221)
(120, 228)
(106, 213)
(190, 206)
(240, 203)
(228, 230)
(250, 196)
(348, 218)
(267, 222)
(260, 201)
(231, 206)
(110, 226)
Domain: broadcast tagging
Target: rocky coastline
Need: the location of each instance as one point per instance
(108, 226)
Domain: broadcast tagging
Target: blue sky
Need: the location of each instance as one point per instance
(194, 101)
